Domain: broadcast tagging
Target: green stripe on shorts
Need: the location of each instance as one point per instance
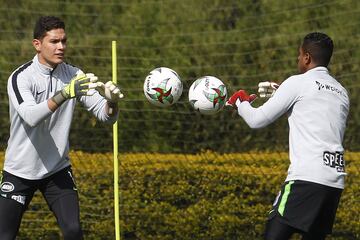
(284, 198)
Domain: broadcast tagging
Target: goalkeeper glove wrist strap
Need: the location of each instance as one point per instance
(59, 98)
(112, 104)
(112, 107)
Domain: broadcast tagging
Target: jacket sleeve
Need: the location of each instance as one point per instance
(97, 105)
(21, 96)
(282, 101)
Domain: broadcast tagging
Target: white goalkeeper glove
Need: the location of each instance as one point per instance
(109, 91)
(267, 89)
(80, 85)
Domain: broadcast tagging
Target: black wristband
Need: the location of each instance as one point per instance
(112, 106)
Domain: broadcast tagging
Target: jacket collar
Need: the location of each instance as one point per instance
(319, 69)
(43, 68)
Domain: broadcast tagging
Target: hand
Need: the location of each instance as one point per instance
(79, 85)
(242, 96)
(267, 89)
(109, 91)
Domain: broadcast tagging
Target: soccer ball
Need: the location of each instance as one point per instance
(207, 95)
(163, 87)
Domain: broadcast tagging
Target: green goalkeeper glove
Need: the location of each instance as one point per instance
(80, 85)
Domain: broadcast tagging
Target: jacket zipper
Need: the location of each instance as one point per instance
(51, 73)
(51, 80)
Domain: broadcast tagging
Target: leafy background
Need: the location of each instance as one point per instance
(240, 42)
(184, 175)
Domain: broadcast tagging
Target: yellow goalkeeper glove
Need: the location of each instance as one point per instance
(80, 85)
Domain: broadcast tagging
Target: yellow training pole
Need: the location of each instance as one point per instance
(115, 145)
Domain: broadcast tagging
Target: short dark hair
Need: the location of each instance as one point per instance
(45, 24)
(319, 46)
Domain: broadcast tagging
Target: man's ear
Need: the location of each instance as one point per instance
(307, 58)
(37, 44)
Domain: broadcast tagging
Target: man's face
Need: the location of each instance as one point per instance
(302, 60)
(51, 49)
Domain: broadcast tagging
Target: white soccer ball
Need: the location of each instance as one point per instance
(163, 87)
(207, 95)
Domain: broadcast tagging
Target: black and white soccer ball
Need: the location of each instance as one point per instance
(207, 95)
(163, 87)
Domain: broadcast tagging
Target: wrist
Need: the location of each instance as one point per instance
(111, 107)
(112, 104)
(59, 98)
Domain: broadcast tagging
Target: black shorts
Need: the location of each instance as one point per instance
(306, 206)
(53, 187)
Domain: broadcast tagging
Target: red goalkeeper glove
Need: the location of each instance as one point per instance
(242, 96)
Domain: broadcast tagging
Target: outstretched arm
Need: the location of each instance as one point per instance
(80, 85)
(277, 105)
(32, 112)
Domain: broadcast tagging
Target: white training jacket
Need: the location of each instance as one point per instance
(39, 138)
(317, 107)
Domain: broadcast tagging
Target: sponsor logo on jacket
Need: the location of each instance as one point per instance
(334, 160)
(329, 88)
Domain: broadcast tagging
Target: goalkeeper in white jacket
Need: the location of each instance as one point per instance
(42, 97)
(317, 106)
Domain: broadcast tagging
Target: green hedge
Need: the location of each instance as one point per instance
(177, 196)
